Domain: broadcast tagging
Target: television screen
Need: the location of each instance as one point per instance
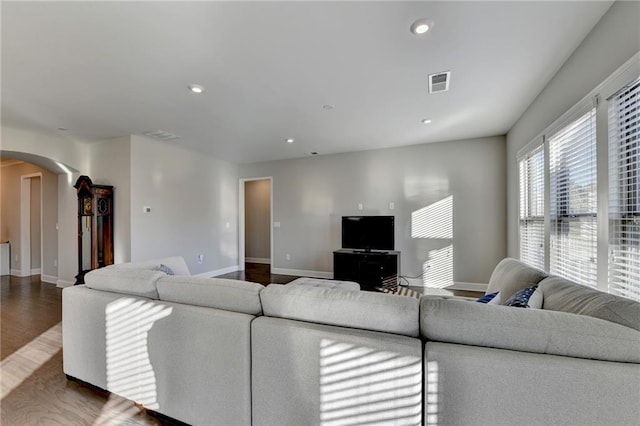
(368, 232)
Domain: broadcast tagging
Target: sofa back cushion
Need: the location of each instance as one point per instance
(136, 282)
(176, 263)
(511, 276)
(527, 330)
(560, 294)
(334, 306)
(219, 293)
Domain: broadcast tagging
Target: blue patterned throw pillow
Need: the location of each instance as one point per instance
(164, 268)
(521, 298)
(487, 298)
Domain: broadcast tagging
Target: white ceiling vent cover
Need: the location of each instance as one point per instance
(439, 82)
(161, 135)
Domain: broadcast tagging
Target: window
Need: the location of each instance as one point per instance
(573, 200)
(532, 208)
(579, 204)
(624, 192)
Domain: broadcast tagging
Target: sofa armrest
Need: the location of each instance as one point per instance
(527, 330)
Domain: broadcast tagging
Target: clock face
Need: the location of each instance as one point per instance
(86, 206)
(103, 206)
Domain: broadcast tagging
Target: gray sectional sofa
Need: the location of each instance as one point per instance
(209, 351)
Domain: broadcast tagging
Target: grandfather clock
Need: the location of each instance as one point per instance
(95, 226)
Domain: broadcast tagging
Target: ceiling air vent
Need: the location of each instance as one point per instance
(439, 82)
(161, 135)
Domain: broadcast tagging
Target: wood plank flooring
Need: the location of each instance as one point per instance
(35, 391)
(259, 273)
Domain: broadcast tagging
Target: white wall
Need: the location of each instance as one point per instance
(110, 164)
(310, 195)
(257, 218)
(10, 190)
(57, 147)
(609, 45)
(68, 230)
(192, 196)
(73, 154)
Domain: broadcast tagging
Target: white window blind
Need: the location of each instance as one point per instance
(573, 200)
(532, 208)
(624, 192)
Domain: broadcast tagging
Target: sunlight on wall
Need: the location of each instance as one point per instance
(129, 370)
(431, 416)
(21, 364)
(66, 170)
(433, 221)
(360, 385)
(438, 269)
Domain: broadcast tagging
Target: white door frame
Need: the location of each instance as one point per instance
(25, 224)
(241, 217)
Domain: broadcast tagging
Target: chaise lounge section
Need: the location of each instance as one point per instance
(212, 351)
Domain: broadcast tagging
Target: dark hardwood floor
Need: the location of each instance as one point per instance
(259, 273)
(35, 391)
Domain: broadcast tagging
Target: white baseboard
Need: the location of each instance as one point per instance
(63, 283)
(262, 260)
(303, 273)
(18, 273)
(217, 272)
(49, 279)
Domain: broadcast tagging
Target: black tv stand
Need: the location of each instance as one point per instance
(369, 268)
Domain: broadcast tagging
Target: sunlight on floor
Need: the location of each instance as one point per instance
(21, 364)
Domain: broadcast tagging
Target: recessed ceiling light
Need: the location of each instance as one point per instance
(62, 129)
(426, 121)
(196, 88)
(290, 140)
(327, 106)
(313, 153)
(421, 26)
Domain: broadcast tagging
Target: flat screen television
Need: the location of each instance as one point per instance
(368, 232)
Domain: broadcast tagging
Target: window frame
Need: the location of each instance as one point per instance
(620, 78)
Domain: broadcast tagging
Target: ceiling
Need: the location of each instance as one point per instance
(107, 69)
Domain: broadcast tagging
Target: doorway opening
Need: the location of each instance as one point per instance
(256, 212)
(31, 252)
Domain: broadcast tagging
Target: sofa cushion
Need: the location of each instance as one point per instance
(318, 282)
(219, 293)
(527, 330)
(511, 275)
(176, 264)
(333, 306)
(164, 268)
(137, 282)
(529, 297)
(563, 295)
(490, 298)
